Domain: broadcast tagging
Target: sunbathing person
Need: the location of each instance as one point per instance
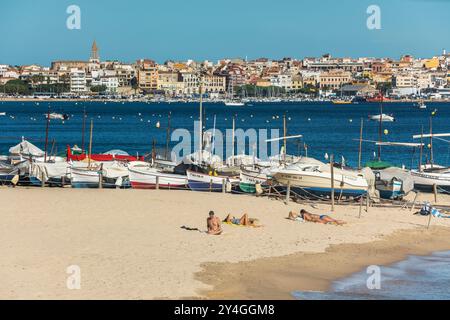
(243, 221)
(307, 216)
(213, 224)
(294, 216)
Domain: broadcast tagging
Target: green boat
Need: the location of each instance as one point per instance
(378, 165)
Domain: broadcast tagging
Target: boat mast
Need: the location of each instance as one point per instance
(360, 143)
(431, 141)
(46, 134)
(167, 135)
(213, 139)
(284, 135)
(380, 127)
(421, 150)
(200, 141)
(83, 131)
(90, 143)
(232, 138)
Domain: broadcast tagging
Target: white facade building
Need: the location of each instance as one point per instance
(111, 83)
(77, 81)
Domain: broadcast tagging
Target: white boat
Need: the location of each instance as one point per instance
(231, 101)
(249, 177)
(315, 179)
(425, 179)
(2, 113)
(57, 116)
(143, 176)
(384, 117)
(421, 105)
(85, 177)
(234, 103)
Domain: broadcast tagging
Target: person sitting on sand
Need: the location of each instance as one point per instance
(213, 224)
(243, 221)
(307, 216)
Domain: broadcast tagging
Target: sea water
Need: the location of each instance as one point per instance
(132, 126)
(417, 277)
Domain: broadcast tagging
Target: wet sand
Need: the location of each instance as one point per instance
(277, 278)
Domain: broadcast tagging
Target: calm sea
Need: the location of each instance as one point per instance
(417, 277)
(131, 126)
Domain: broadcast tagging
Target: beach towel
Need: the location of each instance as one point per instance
(436, 213)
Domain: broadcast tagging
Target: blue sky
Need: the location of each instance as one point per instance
(35, 31)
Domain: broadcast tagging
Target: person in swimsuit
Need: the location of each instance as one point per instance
(305, 215)
(243, 221)
(213, 224)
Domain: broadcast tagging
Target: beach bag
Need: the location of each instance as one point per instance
(426, 209)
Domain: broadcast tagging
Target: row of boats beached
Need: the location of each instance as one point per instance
(201, 171)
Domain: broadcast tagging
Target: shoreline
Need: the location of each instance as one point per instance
(188, 100)
(312, 271)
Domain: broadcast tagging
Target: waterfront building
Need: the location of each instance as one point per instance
(334, 79)
(111, 83)
(214, 83)
(297, 82)
(147, 75)
(170, 82)
(282, 81)
(191, 83)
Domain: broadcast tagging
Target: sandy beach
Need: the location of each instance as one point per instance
(129, 244)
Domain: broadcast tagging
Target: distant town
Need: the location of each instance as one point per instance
(316, 78)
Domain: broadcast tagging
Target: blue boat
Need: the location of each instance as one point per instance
(198, 181)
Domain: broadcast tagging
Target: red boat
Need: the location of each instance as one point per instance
(102, 157)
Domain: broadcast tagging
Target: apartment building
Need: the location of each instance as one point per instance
(147, 75)
(334, 79)
(77, 81)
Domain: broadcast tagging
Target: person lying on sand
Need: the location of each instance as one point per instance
(213, 224)
(243, 221)
(307, 216)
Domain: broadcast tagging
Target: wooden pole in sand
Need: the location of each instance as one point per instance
(360, 206)
(100, 178)
(157, 183)
(332, 181)
(367, 202)
(429, 220)
(288, 193)
(435, 192)
(46, 134)
(414, 202)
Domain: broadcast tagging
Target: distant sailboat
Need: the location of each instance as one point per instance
(231, 101)
(421, 105)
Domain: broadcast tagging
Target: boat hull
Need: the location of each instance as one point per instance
(146, 178)
(425, 181)
(249, 179)
(84, 178)
(319, 184)
(203, 182)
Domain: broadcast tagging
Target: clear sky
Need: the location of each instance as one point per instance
(34, 31)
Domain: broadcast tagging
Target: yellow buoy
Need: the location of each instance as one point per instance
(386, 131)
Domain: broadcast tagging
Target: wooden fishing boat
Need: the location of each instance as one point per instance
(199, 181)
(315, 179)
(143, 176)
(249, 177)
